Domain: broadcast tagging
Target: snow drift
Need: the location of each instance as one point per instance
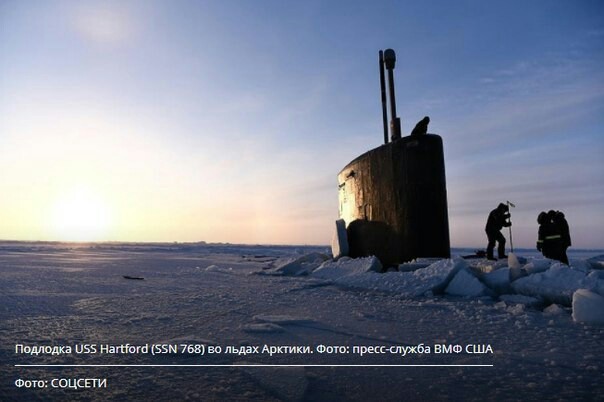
(531, 283)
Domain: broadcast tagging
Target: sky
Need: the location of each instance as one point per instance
(228, 121)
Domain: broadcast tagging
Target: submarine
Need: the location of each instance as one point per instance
(393, 198)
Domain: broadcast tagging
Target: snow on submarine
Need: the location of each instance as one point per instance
(393, 199)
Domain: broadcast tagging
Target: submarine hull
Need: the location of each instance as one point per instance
(394, 201)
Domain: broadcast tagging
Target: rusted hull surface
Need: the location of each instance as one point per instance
(394, 201)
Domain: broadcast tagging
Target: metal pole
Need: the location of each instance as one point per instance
(510, 227)
(511, 241)
(395, 122)
(383, 90)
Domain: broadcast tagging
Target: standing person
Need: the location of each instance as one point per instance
(545, 229)
(561, 225)
(552, 238)
(497, 220)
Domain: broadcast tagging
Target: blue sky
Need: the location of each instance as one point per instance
(229, 120)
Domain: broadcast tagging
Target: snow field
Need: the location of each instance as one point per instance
(276, 295)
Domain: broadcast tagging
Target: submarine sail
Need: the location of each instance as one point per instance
(393, 198)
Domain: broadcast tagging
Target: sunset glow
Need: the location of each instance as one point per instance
(80, 215)
(229, 122)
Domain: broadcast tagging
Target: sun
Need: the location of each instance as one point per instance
(80, 214)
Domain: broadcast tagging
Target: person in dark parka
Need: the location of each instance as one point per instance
(545, 230)
(497, 220)
(550, 241)
(421, 127)
(561, 225)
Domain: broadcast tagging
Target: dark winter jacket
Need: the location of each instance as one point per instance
(549, 241)
(498, 219)
(550, 238)
(542, 221)
(562, 228)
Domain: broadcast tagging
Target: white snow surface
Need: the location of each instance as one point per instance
(588, 307)
(538, 265)
(347, 266)
(557, 284)
(513, 261)
(362, 274)
(466, 284)
(498, 280)
(221, 295)
(303, 265)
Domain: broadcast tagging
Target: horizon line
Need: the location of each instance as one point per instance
(205, 243)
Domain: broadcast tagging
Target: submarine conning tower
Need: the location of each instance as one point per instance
(393, 198)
